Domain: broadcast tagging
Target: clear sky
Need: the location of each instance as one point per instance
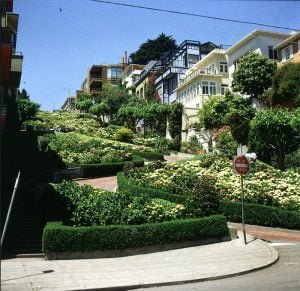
(61, 39)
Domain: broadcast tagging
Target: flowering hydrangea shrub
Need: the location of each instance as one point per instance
(264, 185)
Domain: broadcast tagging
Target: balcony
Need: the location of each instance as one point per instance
(200, 72)
(16, 69)
(10, 20)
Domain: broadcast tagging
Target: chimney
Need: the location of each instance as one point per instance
(125, 57)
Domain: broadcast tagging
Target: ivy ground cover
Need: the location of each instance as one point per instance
(264, 185)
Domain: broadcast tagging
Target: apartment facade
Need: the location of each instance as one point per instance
(11, 60)
(98, 75)
(130, 76)
(289, 49)
(206, 78)
(147, 77)
(69, 104)
(175, 63)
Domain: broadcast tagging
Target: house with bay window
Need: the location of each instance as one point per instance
(208, 77)
(289, 49)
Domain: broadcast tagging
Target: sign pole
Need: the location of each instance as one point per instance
(243, 216)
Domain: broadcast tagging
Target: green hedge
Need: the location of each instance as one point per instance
(108, 169)
(254, 214)
(124, 184)
(151, 156)
(60, 238)
(260, 215)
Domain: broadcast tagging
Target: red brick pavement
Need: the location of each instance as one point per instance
(106, 183)
(269, 233)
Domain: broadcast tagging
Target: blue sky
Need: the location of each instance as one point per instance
(61, 39)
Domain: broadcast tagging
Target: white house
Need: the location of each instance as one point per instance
(260, 41)
(206, 78)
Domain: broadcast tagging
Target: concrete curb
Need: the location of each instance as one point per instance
(273, 251)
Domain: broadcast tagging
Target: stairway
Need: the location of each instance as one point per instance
(29, 229)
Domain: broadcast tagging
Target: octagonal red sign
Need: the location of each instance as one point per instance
(241, 165)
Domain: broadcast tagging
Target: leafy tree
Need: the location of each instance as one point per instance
(231, 110)
(225, 143)
(130, 115)
(155, 117)
(83, 102)
(100, 110)
(27, 109)
(175, 119)
(153, 49)
(150, 91)
(272, 135)
(212, 113)
(114, 97)
(286, 85)
(254, 75)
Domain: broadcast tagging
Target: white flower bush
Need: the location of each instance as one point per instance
(264, 185)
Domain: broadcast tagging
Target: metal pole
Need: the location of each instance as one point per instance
(10, 207)
(243, 217)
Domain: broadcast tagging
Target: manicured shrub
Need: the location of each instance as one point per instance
(205, 193)
(124, 135)
(260, 215)
(60, 238)
(226, 144)
(108, 169)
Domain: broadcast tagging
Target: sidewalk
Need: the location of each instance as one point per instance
(162, 268)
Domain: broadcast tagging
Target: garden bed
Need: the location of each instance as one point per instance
(254, 214)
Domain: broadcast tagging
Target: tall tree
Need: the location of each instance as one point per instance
(27, 109)
(254, 75)
(273, 135)
(83, 102)
(152, 49)
(114, 97)
(100, 110)
(286, 86)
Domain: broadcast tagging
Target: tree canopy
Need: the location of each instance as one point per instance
(273, 135)
(254, 75)
(231, 110)
(286, 86)
(152, 49)
(27, 109)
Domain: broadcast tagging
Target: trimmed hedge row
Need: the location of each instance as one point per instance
(151, 156)
(261, 215)
(108, 169)
(254, 213)
(124, 184)
(60, 238)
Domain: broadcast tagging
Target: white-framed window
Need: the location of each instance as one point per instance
(287, 53)
(209, 88)
(224, 88)
(223, 67)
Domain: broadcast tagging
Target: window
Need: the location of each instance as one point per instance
(272, 53)
(114, 73)
(287, 53)
(223, 67)
(224, 88)
(208, 88)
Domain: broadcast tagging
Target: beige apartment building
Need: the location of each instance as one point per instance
(98, 75)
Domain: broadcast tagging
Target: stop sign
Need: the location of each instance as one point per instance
(241, 165)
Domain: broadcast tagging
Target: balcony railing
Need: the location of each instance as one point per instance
(199, 72)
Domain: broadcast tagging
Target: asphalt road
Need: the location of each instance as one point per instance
(283, 275)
